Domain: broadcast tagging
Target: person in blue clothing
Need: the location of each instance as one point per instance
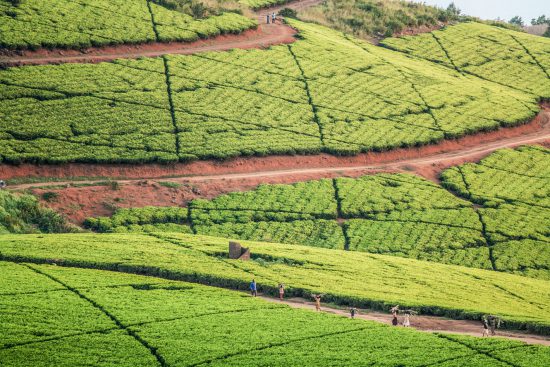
(253, 289)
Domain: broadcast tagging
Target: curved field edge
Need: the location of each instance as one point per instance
(364, 280)
(131, 320)
(326, 92)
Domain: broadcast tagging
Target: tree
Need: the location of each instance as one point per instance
(453, 10)
(517, 20)
(540, 20)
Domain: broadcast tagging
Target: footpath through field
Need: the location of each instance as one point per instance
(265, 35)
(430, 324)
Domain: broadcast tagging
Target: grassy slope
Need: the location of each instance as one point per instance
(24, 214)
(327, 92)
(375, 18)
(183, 324)
(345, 277)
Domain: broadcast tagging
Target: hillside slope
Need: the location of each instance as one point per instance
(114, 319)
(367, 280)
(325, 92)
(514, 59)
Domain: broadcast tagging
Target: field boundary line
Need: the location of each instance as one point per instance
(153, 23)
(308, 93)
(531, 55)
(117, 322)
(171, 102)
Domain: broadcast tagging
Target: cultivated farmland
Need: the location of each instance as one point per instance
(324, 93)
(373, 281)
(154, 328)
(502, 56)
(86, 23)
(499, 222)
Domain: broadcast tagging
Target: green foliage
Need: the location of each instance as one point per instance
(176, 318)
(517, 20)
(288, 13)
(24, 214)
(509, 58)
(50, 196)
(86, 23)
(140, 216)
(259, 4)
(364, 280)
(327, 92)
(540, 20)
(375, 18)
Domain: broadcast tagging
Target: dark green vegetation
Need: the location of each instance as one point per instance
(79, 317)
(327, 92)
(23, 214)
(85, 23)
(500, 222)
(366, 280)
(513, 59)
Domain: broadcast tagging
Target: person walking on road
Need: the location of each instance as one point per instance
(394, 320)
(273, 18)
(352, 312)
(267, 18)
(407, 321)
(317, 298)
(485, 327)
(281, 291)
(253, 288)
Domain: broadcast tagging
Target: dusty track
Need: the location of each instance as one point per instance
(264, 36)
(429, 324)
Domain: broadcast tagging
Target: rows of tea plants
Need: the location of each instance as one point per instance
(85, 23)
(505, 200)
(513, 188)
(259, 4)
(365, 280)
(323, 93)
(83, 112)
(131, 320)
(506, 57)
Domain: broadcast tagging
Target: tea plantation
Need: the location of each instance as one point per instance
(78, 317)
(326, 92)
(85, 23)
(500, 222)
(368, 280)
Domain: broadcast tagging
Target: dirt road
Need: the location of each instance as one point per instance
(430, 324)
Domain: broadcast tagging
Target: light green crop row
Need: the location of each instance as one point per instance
(79, 317)
(362, 279)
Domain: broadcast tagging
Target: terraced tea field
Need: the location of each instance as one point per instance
(324, 93)
(99, 323)
(502, 56)
(366, 280)
(499, 222)
(86, 23)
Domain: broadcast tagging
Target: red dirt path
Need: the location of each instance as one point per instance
(429, 324)
(207, 179)
(265, 35)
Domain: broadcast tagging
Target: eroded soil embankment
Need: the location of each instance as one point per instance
(211, 179)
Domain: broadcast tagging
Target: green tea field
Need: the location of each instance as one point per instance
(272, 183)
